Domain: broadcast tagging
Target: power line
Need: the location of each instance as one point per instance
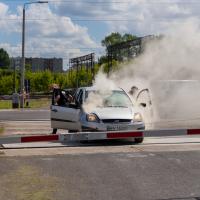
(50, 19)
(119, 2)
(74, 48)
(48, 56)
(56, 54)
(94, 20)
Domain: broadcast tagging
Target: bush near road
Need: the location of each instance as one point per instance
(40, 81)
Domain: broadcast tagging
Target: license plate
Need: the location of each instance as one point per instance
(116, 128)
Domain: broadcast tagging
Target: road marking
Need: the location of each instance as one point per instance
(136, 155)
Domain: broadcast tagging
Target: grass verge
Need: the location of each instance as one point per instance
(1, 130)
(34, 103)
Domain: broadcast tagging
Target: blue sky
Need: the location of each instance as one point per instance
(64, 28)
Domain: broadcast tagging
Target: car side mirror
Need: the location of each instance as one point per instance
(143, 104)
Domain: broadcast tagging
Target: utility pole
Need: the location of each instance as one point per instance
(14, 79)
(23, 61)
(23, 53)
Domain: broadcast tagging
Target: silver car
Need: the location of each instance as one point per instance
(114, 111)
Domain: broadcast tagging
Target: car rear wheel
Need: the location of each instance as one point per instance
(138, 140)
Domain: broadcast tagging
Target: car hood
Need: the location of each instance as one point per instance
(114, 113)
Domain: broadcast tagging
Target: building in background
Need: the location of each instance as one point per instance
(15, 63)
(39, 64)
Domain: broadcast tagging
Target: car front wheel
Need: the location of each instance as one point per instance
(138, 140)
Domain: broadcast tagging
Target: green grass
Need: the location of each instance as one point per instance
(40, 103)
(1, 130)
(33, 103)
(5, 104)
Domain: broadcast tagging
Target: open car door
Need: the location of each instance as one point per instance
(143, 98)
(65, 116)
(144, 101)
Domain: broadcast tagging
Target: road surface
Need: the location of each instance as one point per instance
(157, 170)
(24, 115)
(44, 115)
(160, 169)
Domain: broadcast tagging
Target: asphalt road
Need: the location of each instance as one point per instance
(106, 172)
(44, 115)
(157, 170)
(24, 115)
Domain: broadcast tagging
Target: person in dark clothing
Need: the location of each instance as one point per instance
(54, 130)
(61, 98)
(133, 91)
(57, 101)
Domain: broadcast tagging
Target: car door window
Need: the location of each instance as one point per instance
(79, 98)
(65, 98)
(65, 117)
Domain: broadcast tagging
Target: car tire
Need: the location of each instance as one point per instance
(138, 140)
(72, 131)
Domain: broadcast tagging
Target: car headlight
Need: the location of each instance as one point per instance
(92, 118)
(137, 117)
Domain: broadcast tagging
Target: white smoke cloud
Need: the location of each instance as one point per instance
(169, 68)
(95, 99)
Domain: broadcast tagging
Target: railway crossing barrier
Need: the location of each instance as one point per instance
(89, 136)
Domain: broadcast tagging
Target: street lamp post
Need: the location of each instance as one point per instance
(23, 53)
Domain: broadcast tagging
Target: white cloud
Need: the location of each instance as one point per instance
(143, 16)
(7, 20)
(50, 36)
(3, 9)
(56, 34)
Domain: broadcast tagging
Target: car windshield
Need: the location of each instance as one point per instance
(115, 98)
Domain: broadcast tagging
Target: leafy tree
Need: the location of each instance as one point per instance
(5, 72)
(115, 67)
(6, 83)
(127, 37)
(96, 68)
(103, 59)
(115, 38)
(28, 67)
(4, 59)
(111, 39)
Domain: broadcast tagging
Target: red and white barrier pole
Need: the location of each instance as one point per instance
(98, 135)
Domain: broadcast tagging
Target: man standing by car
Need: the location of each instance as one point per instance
(133, 91)
(56, 99)
(60, 98)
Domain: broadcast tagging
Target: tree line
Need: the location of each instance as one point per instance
(40, 81)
